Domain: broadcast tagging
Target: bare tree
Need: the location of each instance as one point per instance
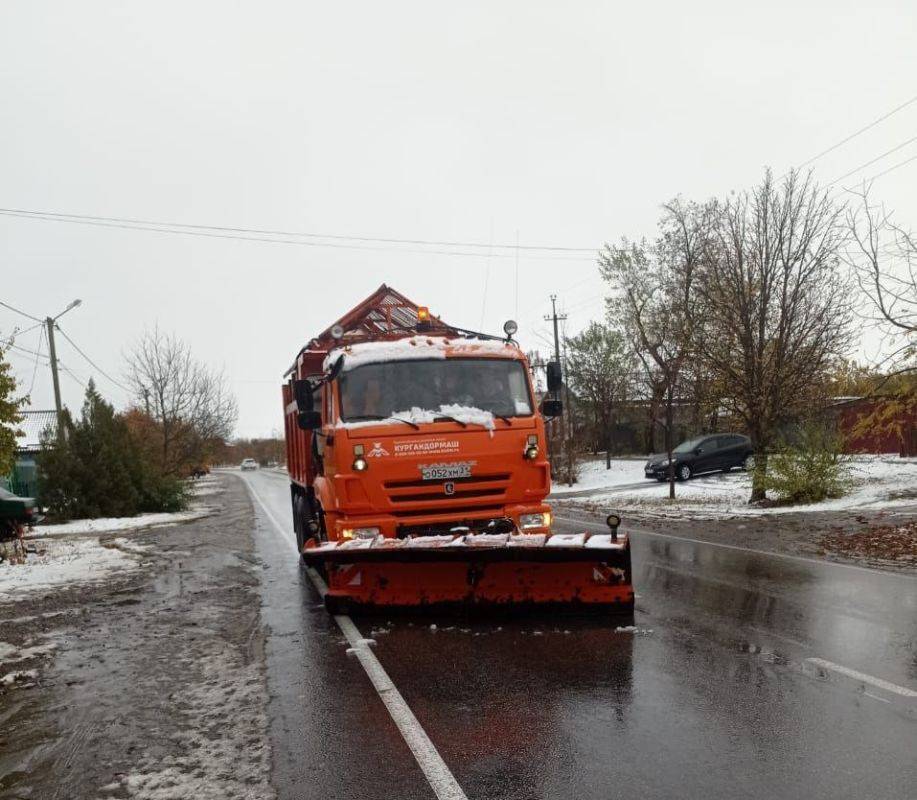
(777, 306)
(599, 369)
(190, 402)
(653, 294)
(883, 257)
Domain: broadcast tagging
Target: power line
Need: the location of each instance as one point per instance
(72, 374)
(891, 169)
(18, 311)
(41, 338)
(22, 349)
(857, 133)
(16, 332)
(873, 161)
(171, 227)
(91, 362)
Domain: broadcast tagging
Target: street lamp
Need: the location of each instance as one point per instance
(73, 304)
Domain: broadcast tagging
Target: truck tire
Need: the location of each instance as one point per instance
(299, 523)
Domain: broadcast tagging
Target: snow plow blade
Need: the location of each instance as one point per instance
(475, 571)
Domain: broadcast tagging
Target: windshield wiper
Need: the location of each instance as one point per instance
(451, 419)
(375, 417)
(413, 424)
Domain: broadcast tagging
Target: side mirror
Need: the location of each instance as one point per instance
(309, 420)
(551, 408)
(698, 450)
(555, 377)
(302, 391)
(336, 368)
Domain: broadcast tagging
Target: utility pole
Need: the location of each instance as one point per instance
(555, 319)
(49, 322)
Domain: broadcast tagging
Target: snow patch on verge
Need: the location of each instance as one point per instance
(110, 524)
(20, 676)
(593, 475)
(878, 482)
(64, 563)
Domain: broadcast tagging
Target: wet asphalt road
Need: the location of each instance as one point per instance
(718, 700)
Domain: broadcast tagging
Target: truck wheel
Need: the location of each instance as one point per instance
(298, 523)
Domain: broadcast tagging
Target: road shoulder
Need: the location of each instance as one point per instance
(151, 684)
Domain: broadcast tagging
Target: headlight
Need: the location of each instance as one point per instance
(359, 533)
(535, 520)
(359, 464)
(531, 447)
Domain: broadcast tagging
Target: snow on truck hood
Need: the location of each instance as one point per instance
(415, 347)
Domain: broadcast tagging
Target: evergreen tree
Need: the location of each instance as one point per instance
(95, 468)
(10, 417)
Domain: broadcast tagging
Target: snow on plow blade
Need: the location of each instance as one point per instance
(508, 570)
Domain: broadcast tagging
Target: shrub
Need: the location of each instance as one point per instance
(811, 469)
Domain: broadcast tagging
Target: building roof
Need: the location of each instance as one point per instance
(32, 427)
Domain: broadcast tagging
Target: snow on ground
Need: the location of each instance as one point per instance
(111, 524)
(878, 482)
(71, 552)
(593, 475)
(61, 563)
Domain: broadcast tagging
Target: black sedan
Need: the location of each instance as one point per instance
(16, 511)
(714, 453)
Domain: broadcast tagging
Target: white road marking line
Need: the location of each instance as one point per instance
(440, 778)
(862, 677)
(787, 556)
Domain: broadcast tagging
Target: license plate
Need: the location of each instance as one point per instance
(445, 472)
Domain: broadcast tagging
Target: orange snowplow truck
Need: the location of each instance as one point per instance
(418, 471)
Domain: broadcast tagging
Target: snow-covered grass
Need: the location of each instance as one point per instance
(71, 552)
(593, 475)
(114, 524)
(877, 482)
(63, 563)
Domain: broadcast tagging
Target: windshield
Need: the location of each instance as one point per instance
(688, 446)
(391, 388)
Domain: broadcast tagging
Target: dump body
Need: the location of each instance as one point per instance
(420, 448)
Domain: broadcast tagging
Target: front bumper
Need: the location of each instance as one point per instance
(580, 572)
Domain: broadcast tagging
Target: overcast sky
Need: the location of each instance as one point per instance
(567, 123)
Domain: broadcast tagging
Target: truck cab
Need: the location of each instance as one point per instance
(428, 434)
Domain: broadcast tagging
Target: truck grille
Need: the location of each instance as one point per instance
(429, 496)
